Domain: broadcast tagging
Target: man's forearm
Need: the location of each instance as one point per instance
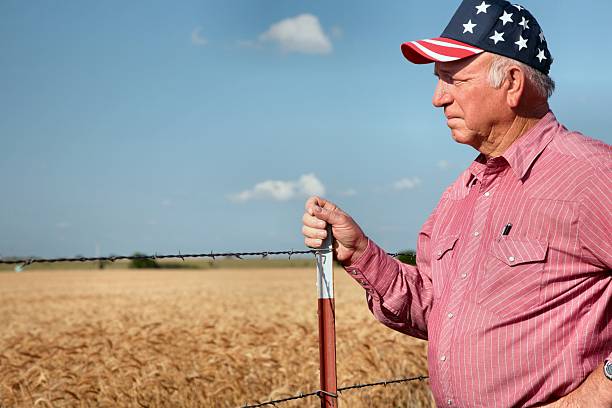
(595, 391)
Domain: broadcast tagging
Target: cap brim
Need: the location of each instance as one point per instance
(437, 50)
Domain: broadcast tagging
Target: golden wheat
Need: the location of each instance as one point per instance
(214, 338)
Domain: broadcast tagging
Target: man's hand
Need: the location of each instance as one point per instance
(350, 242)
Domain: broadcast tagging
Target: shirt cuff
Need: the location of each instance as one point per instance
(374, 270)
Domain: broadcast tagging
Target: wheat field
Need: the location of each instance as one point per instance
(191, 338)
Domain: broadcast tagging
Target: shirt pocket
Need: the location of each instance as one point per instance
(512, 276)
(442, 256)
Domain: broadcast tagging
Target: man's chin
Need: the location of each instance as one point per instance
(458, 136)
(467, 138)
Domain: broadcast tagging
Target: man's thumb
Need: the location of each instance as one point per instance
(324, 214)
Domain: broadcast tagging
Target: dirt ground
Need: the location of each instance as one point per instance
(191, 338)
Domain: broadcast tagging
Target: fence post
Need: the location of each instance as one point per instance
(327, 326)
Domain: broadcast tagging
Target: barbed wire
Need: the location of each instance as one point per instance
(239, 255)
(320, 393)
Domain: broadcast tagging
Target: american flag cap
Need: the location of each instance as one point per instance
(495, 26)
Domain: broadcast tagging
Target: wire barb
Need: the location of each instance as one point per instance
(321, 393)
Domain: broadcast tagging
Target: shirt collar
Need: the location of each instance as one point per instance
(476, 169)
(523, 152)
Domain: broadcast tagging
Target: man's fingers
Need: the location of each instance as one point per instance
(313, 242)
(314, 232)
(312, 221)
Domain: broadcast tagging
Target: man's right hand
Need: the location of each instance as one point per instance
(350, 241)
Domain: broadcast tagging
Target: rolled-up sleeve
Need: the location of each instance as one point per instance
(399, 295)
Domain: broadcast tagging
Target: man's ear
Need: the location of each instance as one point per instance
(515, 86)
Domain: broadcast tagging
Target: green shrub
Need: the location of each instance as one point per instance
(143, 263)
(407, 257)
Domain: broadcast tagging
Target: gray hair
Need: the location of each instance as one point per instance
(543, 84)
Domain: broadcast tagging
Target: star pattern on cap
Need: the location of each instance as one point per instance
(542, 39)
(482, 8)
(499, 27)
(522, 42)
(469, 27)
(506, 18)
(541, 55)
(497, 37)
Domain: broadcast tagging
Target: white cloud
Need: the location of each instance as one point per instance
(407, 183)
(196, 37)
(444, 165)
(311, 185)
(62, 225)
(280, 190)
(302, 33)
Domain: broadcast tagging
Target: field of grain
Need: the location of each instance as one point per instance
(191, 338)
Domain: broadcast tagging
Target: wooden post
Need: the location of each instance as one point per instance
(327, 326)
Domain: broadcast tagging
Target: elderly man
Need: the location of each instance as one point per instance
(512, 286)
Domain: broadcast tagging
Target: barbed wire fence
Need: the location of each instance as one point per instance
(239, 255)
(23, 262)
(320, 393)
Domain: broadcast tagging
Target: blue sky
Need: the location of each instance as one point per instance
(202, 126)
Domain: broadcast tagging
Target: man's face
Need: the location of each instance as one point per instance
(473, 108)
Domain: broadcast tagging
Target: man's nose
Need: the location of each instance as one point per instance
(441, 96)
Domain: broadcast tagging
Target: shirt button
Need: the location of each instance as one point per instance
(450, 315)
(487, 194)
(463, 275)
(442, 358)
(511, 258)
(354, 272)
(449, 402)
(362, 281)
(476, 233)
(439, 253)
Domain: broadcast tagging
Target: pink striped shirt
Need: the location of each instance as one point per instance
(518, 319)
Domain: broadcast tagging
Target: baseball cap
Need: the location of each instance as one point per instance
(495, 26)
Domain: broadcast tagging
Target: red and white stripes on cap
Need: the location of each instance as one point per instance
(437, 49)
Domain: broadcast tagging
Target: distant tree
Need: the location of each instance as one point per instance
(407, 257)
(143, 263)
